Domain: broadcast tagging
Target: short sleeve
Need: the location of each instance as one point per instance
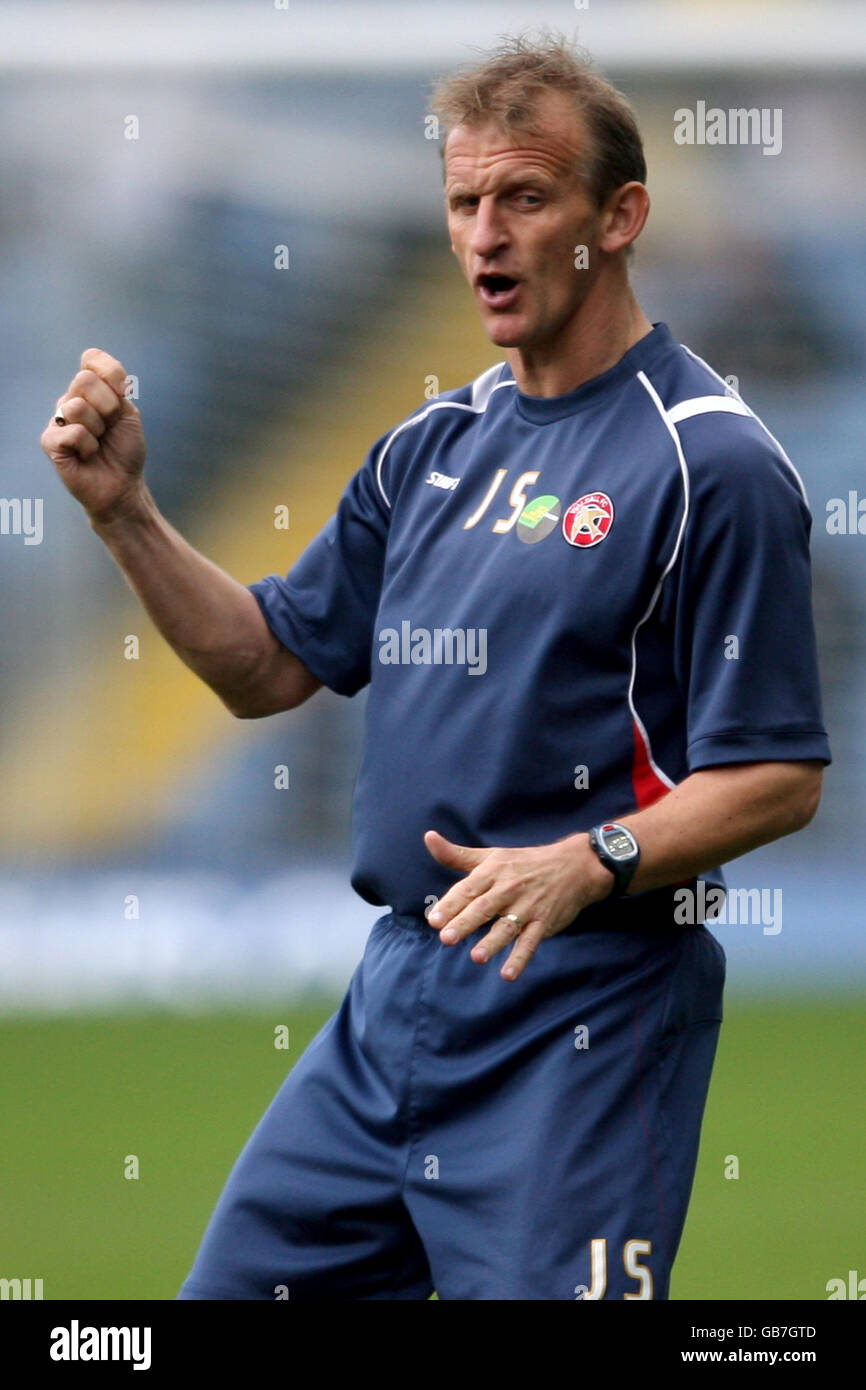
(741, 604)
(324, 609)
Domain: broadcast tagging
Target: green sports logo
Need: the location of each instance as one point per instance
(538, 518)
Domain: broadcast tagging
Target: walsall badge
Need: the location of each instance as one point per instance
(588, 520)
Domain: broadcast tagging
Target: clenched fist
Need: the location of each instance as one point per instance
(99, 452)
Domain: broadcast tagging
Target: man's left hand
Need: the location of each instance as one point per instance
(543, 886)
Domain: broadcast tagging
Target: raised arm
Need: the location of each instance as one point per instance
(211, 620)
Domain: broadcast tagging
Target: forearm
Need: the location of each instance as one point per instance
(718, 814)
(212, 622)
(535, 891)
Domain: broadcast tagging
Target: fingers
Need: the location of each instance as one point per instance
(61, 441)
(460, 923)
(525, 947)
(90, 404)
(501, 934)
(472, 861)
(90, 387)
(454, 856)
(526, 942)
(79, 411)
(104, 366)
(495, 882)
(504, 932)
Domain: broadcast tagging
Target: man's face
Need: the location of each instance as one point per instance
(517, 211)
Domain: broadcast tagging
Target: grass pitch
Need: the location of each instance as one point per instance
(81, 1096)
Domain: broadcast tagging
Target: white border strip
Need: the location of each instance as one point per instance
(703, 405)
(482, 389)
(656, 400)
(757, 418)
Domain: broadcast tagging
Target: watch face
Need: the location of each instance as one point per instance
(618, 843)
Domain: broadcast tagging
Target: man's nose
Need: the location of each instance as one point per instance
(488, 229)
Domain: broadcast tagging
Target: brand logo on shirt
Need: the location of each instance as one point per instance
(588, 520)
(538, 518)
(442, 480)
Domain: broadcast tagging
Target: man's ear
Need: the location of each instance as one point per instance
(625, 216)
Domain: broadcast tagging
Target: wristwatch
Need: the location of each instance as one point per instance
(618, 851)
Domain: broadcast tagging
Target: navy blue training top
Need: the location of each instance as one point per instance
(563, 606)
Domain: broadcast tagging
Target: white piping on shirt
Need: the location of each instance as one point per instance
(670, 427)
(482, 389)
(748, 411)
(731, 403)
(701, 405)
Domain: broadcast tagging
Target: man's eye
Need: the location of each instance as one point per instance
(533, 198)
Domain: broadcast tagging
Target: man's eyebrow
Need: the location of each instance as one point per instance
(510, 182)
(518, 180)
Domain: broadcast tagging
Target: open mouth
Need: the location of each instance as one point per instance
(498, 290)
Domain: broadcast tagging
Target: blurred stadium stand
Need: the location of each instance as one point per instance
(261, 387)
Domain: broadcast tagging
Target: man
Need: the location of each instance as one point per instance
(579, 591)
